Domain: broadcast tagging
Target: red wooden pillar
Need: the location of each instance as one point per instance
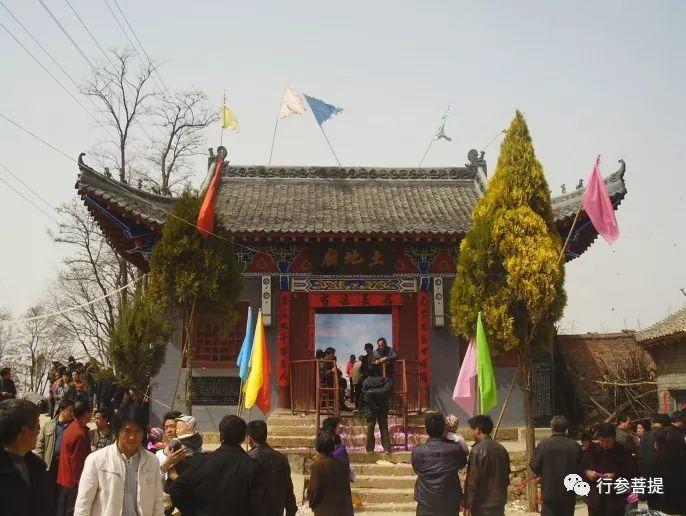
(284, 350)
(423, 336)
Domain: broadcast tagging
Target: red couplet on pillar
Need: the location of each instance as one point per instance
(423, 333)
(284, 345)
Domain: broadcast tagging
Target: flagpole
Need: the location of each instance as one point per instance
(271, 152)
(426, 152)
(276, 124)
(571, 230)
(327, 141)
(221, 138)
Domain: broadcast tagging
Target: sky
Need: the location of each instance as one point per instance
(347, 333)
(591, 78)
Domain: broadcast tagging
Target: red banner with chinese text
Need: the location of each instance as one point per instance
(423, 333)
(284, 346)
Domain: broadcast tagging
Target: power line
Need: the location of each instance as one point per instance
(83, 24)
(128, 191)
(82, 53)
(139, 43)
(41, 198)
(53, 77)
(64, 31)
(9, 185)
(19, 126)
(126, 34)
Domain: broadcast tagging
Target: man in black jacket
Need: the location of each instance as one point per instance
(555, 458)
(437, 489)
(488, 471)
(602, 465)
(25, 488)
(376, 394)
(226, 482)
(281, 496)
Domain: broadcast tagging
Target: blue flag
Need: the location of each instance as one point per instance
(322, 111)
(243, 361)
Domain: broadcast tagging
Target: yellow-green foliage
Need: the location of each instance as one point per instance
(508, 263)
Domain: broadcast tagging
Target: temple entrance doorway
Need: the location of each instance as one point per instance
(348, 329)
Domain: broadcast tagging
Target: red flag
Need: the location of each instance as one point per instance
(206, 214)
(598, 205)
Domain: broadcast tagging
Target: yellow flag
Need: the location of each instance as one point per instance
(229, 120)
(257, 384)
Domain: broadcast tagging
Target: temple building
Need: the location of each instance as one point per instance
(318, 245)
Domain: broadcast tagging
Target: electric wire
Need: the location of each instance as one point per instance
(139, 43)
(126, 34)
(39, 196)
(85, 57)
(85, 27)
(130, 192)
(64, 31)
(54, 78)
(9, 185)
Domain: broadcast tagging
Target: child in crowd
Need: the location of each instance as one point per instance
(451, 424)
(187, 437)
(155, 436)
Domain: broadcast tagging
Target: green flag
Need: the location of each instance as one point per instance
(440, 132)
(488, 392)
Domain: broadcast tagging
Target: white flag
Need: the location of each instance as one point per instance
(291, 104)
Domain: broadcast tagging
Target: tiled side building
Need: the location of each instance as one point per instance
(666, 343)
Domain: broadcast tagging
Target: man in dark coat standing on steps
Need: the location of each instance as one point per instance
(437, 462)
(226, 482)
(281, 496)
(376, 394)
(555, 458)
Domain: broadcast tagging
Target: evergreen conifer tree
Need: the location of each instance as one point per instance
(508, 266)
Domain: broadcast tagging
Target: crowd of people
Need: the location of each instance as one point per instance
(75, 381)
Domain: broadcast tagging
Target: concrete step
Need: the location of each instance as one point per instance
(399, 509)
(384, 482)
(386, 495)
(361, 457)
(384, 470)
(358, 441)
(357, 429)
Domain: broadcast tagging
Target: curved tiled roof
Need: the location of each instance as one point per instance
(671, 326)
(332, 200)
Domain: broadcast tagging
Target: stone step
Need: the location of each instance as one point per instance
(361, 457)
(384, 482)
(384, 470)
(358, 441)
(386, 495)
(399, 509)
(358, 429)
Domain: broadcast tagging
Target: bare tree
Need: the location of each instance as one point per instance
(89, 273)
(182, 120)
(6, 332)
(124, 94)
(38, 343)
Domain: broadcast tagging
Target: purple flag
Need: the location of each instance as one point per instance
(464, 393)
(598, 205)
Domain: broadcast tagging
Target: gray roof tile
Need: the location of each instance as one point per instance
(672, 325)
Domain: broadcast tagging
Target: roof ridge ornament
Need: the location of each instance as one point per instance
(476, 159)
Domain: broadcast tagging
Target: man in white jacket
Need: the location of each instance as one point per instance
(122, 479)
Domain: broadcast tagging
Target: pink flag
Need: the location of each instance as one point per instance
(598, 205)
(464, 393)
